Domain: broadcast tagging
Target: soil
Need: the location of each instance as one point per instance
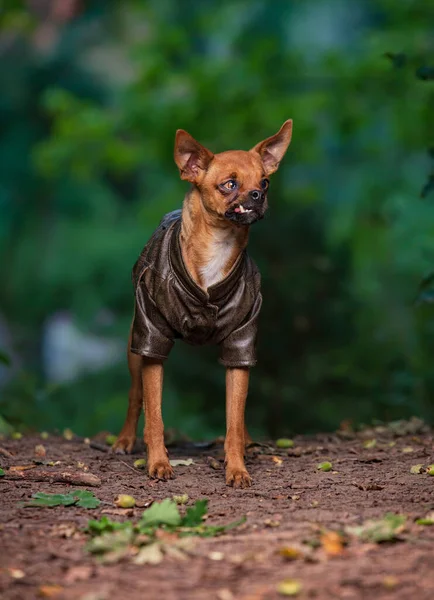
(290, 503)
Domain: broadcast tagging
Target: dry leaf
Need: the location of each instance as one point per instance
(181, 462)
(40, 450)
(370, 443)
(18, 468)
(149, 555)
(416, 469)
(332, 543)
(390, 582)
(277, 460)
(49, 591)
(16, 573)
(213, 463)
(289, 587)
(79, 573)
(290, 553)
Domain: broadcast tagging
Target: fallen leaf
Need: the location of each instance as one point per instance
(122, 512)
(289, 587)
(370, 443)
(407, 449)
(181, 462)
(140, 463)
(271, 523)
(416, 469)
(68, 434)
(125, 501)
(40, 450)
(49, 591)
(182, 499)
(290, 553)
(332, 543)
(390, 582)
(78, 573)
(149, 555)
(427, 520)
(325, 466)
(162, 513)
(277, 460)
(225, 594)
(284, 443)
(386, 529)
(16, 573)
(18, 468)
(213, 463)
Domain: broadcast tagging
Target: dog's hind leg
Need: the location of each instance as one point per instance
(127, 436)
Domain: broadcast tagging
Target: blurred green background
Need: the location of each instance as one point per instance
(91, 95)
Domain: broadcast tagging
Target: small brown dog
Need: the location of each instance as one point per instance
(195, 281)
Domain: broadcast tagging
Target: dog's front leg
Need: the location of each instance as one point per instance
(152, 381)
(237, 384)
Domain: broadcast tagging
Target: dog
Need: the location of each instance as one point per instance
(195, 281)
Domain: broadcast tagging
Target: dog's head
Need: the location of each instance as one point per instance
(234, 184)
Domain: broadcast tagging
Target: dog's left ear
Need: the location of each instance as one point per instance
(273, 149)
(191, 157)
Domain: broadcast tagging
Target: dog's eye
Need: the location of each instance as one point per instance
(231, 184)
(264, 184)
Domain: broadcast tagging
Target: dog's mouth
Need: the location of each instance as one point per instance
(245, 213)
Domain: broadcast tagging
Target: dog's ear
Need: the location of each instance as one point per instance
(191, 157)
(273, 149)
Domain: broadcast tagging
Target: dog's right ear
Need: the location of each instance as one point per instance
(191, 157)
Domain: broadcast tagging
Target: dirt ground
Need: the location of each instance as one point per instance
(290, 505)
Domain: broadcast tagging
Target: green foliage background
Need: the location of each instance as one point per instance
(86, 172)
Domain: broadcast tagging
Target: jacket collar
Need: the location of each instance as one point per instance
(216, 292)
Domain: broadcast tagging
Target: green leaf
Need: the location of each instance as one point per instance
(195, 514)
(162, 513)
(86, 499)
(50, 500)
(386, 529)
(82, 498)
(2, 473)
(96, 527)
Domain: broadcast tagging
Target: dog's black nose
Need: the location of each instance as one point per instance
(257, 195)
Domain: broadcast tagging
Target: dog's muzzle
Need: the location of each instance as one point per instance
(251, 208)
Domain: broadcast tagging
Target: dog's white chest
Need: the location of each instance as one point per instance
(219, 256)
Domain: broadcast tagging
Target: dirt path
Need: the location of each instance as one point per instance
(289, 505)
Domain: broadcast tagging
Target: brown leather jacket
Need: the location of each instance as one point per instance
(170, 305)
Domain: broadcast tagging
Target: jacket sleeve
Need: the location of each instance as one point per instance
(239, 348)
(151, 334)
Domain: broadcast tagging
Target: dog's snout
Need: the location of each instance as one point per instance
(257, 195)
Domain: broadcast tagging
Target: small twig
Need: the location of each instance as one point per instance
(50, 477)
(98, 446)
(5, 452)
(129, 466)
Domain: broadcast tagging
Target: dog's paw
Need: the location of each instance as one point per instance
(160, 469)
(123, 445)
(238, 478)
